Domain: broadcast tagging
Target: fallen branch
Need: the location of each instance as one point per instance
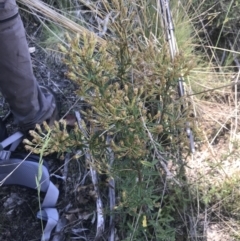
(94, 176)
(111, 193)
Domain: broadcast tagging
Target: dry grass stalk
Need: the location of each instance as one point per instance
(42, 8)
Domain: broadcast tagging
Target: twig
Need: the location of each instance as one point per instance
(79, 120)
(65, 167)
(111, 192)
(94, 176)
(161, 159)
(99, 204)
(65, 171)
(104, 24)
(223, 57)
(212, 89)
(235, 59)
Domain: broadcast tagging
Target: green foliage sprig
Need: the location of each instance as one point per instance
(58, 138)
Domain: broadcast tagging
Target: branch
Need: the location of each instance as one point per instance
(161, 159)
(94, 176)
(111, 192)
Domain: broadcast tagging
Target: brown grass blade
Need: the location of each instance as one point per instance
(50, 13)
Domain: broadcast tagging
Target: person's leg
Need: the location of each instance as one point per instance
(17, 82)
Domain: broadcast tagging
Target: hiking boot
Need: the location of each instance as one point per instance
(55, 115)
(50, 121)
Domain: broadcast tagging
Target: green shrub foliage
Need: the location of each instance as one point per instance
(129, 87)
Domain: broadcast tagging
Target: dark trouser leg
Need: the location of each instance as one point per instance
(17, 82)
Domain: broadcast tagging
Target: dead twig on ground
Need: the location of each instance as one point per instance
(111, 193)
(94, 176)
